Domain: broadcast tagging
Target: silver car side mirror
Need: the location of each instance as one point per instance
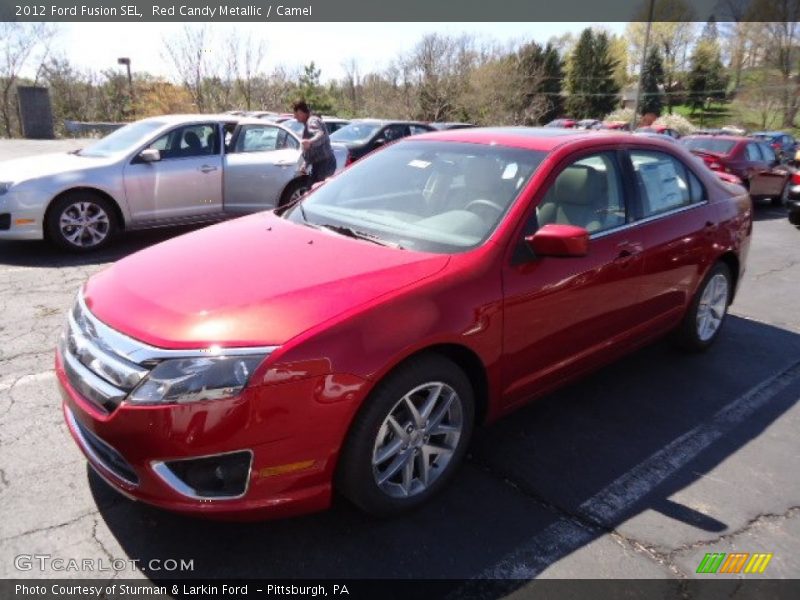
(149, 155)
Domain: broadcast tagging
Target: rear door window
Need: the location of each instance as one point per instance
(664, 182)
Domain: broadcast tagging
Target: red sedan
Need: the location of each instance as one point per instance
(351, 342)
(752, 161)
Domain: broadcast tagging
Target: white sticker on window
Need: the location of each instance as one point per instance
(510, 171)
(419, 164)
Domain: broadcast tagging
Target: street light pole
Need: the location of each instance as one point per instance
(641, 65)
(127, 62)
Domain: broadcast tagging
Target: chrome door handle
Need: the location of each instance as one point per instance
(207, 168)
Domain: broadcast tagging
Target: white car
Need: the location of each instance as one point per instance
(155, 172)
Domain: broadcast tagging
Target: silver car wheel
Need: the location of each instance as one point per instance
(417, 439)
(84, 224)
(298, 193)
(712, 307)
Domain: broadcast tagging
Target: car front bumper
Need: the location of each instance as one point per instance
(293, 431)
(21, 217)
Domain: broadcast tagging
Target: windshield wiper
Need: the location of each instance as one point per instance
(359, 235)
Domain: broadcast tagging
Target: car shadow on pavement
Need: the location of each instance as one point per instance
(765, 211)
(43, 254)
(545, 465)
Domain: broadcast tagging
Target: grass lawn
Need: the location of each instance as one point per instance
(734, 113)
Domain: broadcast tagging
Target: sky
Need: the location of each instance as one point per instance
(97, 46)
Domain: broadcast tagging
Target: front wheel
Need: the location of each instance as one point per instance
(81, 222)
(294, 191)
(702, 323)
(409, 438)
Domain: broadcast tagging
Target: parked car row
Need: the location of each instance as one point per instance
(352, 342)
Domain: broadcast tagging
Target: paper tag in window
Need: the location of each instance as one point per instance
(419, 164)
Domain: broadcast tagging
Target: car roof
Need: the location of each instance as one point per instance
(389, 122)
(530, 138)
(720, 136)
(769, 133)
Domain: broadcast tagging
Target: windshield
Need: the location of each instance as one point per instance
(439, 197)
(123, 139)
(709, 144)
(355, 132)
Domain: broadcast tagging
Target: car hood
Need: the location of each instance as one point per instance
(258, 280)
(44, 165)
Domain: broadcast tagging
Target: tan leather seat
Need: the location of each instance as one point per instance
(578, 197)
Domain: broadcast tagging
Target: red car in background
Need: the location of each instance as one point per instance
(352, 341)
(752, 161)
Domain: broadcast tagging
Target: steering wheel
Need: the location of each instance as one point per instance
(486, 203)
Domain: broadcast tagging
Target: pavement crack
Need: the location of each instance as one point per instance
(789, 513)
(49, 527)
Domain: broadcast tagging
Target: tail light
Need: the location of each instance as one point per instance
(349, 160)
(796, 178)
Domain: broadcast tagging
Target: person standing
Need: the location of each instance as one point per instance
(317, 152)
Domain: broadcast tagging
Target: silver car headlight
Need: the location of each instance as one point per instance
(5, 186)
(183, 380)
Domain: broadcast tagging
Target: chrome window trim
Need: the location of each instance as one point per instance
(161, 469)
(140, 353)
(93, 381)
(649, 219)
(94, 458)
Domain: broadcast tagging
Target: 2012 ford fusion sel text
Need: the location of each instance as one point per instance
(351, 342)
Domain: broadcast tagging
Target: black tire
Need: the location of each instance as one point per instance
(356, 478)
(688, 335)
(301, 184)
(96, 206)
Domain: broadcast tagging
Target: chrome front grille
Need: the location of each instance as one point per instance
(94, 368)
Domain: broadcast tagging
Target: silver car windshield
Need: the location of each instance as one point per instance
(429, 196)
(123, 139)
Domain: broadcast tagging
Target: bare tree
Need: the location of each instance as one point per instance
(783, 34)
(196, 65)
(19, 44)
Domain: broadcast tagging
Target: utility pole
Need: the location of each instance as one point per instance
(641, 66)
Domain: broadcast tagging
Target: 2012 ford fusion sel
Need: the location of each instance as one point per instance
(350, 342)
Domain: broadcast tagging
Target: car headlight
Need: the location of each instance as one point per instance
(183, 380)
(5, 186)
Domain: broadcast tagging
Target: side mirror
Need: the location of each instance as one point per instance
(559, 240)
(149, 155)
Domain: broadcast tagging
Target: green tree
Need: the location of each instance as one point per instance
(593, 89)
(707, 79)
(312, 91)
(652, 78)
(535, 96)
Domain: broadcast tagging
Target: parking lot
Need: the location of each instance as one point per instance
(637, 471)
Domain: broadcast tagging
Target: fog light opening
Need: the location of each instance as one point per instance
(216, 477)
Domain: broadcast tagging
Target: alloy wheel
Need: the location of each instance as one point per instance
(417, 439)
(712, 307)
(84, 224)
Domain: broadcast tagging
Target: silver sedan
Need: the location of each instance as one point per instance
(155, 172)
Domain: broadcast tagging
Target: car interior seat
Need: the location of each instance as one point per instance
(579, 197)
(193, 144)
